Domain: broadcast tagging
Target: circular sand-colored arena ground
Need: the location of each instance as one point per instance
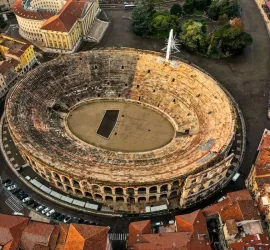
(124, 127)
(138, 127)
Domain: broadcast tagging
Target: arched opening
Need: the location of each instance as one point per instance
(141, 199)
(164, 188)
(88, 195)
(108, 198)
(69, 189)
(107, 190)
(57, 177)
(96, 188)
(65, 180)
(153, 189)
(131, 200)
(152, 198)
(77, 192)
(163, 196)
(130, 191)
(76, 184)
(119, 191)
(175, 185)
(43, 175)
(59, 184)
(98, 197)
(173, 194)
(119, 199)
(142, 190)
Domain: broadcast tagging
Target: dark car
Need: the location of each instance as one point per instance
(56, 215)
(16, 190)
(61, 217)
(5, 181)
(67, 219)
(81, 221)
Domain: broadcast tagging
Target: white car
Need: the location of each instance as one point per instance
(26, 199)
(50, 212)
(16, 213)
(39, 208)
(221, 199)
(67, 219)
(171, 222)
(160, 223)
(28, 178)
(12, 187)
(45, 210)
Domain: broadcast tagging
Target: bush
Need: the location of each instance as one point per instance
(193, 37)
(176, 10)
(163, 23)
(213, 12)
(188, 7)
(234, 40)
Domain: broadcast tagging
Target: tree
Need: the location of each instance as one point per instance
(193, 37)
(213, 12)
(200, 4)
(234, 40)
(237, 23)
(229, 7)
(176, 10)
(141, 17)
(188, 7)
(163, 22)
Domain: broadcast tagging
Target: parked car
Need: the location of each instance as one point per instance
(61, 217)
(51, 212)
(8, 183)
(160, 223)
(26, 199)
(221, 199)
(22, 196)
(67, 219)
(236, 176)
(12, 187)
(39, 208)
(81, 221)
(15, 191)
(55, 215)
(16, 213)
(45, 210)
(171, 222)
(5, 181)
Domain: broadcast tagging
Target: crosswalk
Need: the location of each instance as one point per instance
(14, 204)
(119, 236)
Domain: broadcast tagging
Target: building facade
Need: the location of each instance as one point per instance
(17, 57)
(59, 25)
(6, 4)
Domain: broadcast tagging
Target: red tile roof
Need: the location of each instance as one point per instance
(193, 238)
(259, 241)
(84, 237)
(11, 228)
(136, 229)
(67, 17)
(238, 206)
(36, 233)
(28, 14)
(185, 222)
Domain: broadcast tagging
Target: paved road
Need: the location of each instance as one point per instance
(246, 76)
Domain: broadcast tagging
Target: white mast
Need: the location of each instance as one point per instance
(171, 45)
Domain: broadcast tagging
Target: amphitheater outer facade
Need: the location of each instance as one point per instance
(188, 162)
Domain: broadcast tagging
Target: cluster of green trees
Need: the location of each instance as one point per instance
(146, 21)
(229, 39)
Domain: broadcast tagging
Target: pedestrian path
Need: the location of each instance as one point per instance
(119, 236)
(14, 204)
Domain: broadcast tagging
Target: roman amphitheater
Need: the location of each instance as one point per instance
(123, 126)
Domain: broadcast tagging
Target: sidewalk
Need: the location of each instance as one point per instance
(266, 20)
